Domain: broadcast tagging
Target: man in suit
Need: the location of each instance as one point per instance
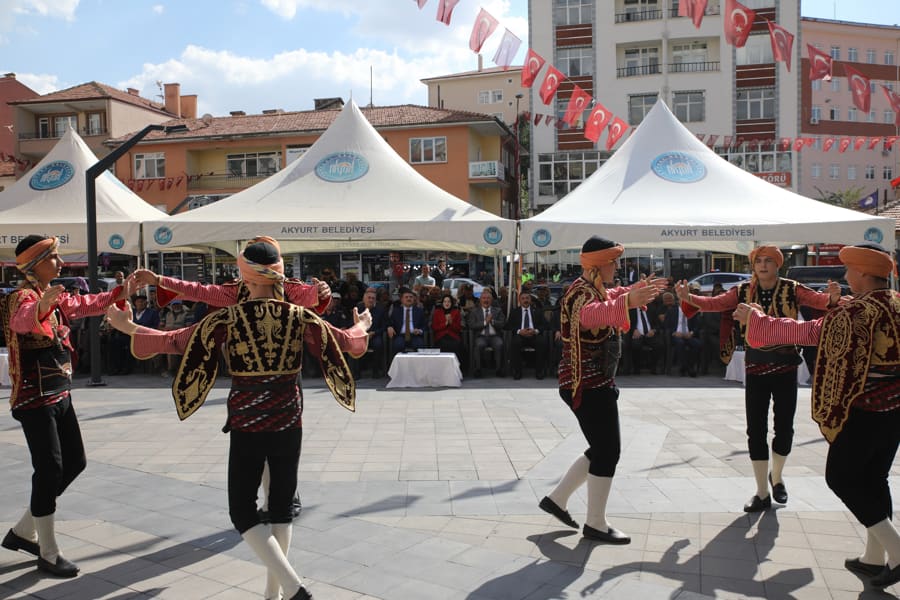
(686, 341)
(376, 336)
(407, 327)
(527, 324)
(486, 322)
(644, 339)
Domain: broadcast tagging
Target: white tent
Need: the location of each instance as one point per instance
(665, 189)
(50, 200)
(350, 190)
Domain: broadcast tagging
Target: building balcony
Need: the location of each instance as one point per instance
(223, 181)
(711, 9)
(487, 172)
(694, 67)
(643, 15)
(83, 132)
(638, 71)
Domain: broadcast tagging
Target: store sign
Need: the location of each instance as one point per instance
(779, 178)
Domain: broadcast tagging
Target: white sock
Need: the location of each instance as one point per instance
(25, 527)
(598, 496)
(263, 543)
(265, 486)
(887, 536)
(571, 481)
(282, 534)
(761, 474)
(46, 531)
(778, 461)
(874, 554)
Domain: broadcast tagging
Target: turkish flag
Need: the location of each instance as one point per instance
(616, 130)
(859, 143)
(700, 136)
(484, 26)
(820, 63)
(445, 10)
(695, 9)
(537, 119)
(889, 142)
(844, 144)
(421, 3)
(551, 82)
(711, 140)
(785, 143)
(737, 19)
(895, 182)
(507, 50)
(798, 144)
(596, 121)
(894, 99)
(827, 144)
(727, 141)
(577, 104)
(782, 43)
(874, 142)
(534, 62)
(859, 85)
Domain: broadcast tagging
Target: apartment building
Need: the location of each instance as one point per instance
(494, 91)
(11, 89)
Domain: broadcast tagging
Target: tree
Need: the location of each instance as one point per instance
(848, 198)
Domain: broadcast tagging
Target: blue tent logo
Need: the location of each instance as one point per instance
(493, 235)
(541, 238)
(52, 175)
(678, 167)
(162, 236)
(116, 241)
(873, 234)
(341, 167)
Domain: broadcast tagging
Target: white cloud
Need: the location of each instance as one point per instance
(42, 84)
(11, 10)
(158, 9)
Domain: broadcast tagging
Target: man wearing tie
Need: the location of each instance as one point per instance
(527, 325)
(486, 322)
(686, 344)
(643, 336)
(407, 324)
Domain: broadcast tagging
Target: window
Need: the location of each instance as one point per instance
(870, 56)
(689, 106)
(689, 53)
(816, 85)
(428, 150)
(757, 51)
(870, 171)
(253, 164)
(62, 124)
(490, 96)
(888, 116)
(572, 12)
(872, 86)
(496, 96)
(851, 113)
(94, 123)
(835, 113)
(575, 61)
(851, 55)
(817, 142)
(887, 172)
(44, 127)
(562, 172)
(638, 107)
(151, 165)
(756, 103)
(888, 57)
(562, 105)
(870, 118)
(816, 170)
(835, 84)
(836, 52)
(889, 85)
(851, 172)
(641, 61)
(834, 171)
(816, 114)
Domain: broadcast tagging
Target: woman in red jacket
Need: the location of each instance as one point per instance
(446, 324)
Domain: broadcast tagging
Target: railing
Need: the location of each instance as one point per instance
(693, 67)
(638, 71)
(84, 131)
(487, 169)
(204, 181)
(644, 15)
(710, 10)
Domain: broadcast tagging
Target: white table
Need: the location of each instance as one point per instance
(417, 369)
(735, 369)
(4, 367)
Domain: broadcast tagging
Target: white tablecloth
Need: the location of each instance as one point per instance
(425, 370)
(735, 370)
(4, 367)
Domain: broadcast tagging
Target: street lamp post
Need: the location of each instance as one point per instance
(92, 174)
(517, 211)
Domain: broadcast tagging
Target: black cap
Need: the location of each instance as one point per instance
(27, 242)
(262, 253)
(596, 243)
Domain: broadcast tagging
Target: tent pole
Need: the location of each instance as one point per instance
(213, 265)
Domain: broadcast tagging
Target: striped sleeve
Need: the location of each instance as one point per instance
(611, 313)
(763, 330)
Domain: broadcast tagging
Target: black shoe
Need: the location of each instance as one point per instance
(612, 536)
(779, 492)
(887, 577)
(548, 505)
(61, 568)
(756, 504)
(296, 507)
(14, 542)
(302, 594)
(857, 566)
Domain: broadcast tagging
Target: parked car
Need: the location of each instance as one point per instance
(818, 276)
(453, 284)
(728, 280)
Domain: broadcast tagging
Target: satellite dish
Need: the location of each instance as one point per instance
(207, 119)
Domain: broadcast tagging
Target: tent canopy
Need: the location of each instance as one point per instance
(50, 200)
(665, 189)
(350, 190)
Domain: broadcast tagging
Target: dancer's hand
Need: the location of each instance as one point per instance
(49, 298)
(742, 312)
(144, 277)
(363, 318)
(323, 289)
(120, 318)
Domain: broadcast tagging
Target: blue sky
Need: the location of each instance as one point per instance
(253, 55)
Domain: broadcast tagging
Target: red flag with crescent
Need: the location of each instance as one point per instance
(782, 43)
(844, 144)
(507, 50)
(737, 20)
(537, 119)
(859, 143)
(534, 62)
(889, 142)
(485, 24)
(727, 141)
(596, 122)
(859, 86)
(827, 144)
(874, 142)
(695, 9)
(445, 10)
(798, 144)
(894, 99)
(711, 140)
(820, 63)
(578, 103)
(616, 130)
(551, 82)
